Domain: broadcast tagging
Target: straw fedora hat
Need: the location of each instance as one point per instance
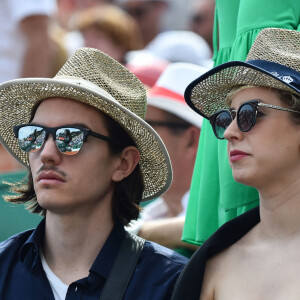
(273, 61)
(168, 92)
(93, 78)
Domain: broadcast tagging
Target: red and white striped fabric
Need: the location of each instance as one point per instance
(168, 91)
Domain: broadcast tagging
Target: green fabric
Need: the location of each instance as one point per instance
(215, 197)
(14, 218)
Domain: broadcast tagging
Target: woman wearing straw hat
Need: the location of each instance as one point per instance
(237, 23)
(255, 106)
(92, 158)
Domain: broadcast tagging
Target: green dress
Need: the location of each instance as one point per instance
(215, 197)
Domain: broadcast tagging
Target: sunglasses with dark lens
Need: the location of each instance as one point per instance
(68, 139)
(246, 117)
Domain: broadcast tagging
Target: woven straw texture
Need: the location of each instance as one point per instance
(18, 98)
(272, 44)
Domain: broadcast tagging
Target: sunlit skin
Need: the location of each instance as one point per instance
(265, 262)
(262, 146)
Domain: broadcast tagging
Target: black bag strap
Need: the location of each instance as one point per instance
(123, 267)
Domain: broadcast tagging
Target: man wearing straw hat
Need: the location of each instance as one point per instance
(91, 158)
(179, 127)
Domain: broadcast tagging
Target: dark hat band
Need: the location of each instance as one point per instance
(207, 94)
(283, 73)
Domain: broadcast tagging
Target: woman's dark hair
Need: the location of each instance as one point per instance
(128, 192)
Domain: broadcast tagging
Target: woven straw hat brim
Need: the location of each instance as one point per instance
(19, 98)
(207, 94)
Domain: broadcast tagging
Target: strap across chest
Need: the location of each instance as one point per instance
(123, 267)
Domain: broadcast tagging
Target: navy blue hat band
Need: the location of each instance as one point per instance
(272, 62)
(285, 74)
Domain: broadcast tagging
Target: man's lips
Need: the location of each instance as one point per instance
(49, 176)
(237, 154)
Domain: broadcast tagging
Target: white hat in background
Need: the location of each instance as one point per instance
(168, 92)
(174, 46)
(181, 46)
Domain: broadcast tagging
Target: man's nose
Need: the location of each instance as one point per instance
(49, 151)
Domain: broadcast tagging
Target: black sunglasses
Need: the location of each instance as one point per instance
(246, 117)
(68, 139)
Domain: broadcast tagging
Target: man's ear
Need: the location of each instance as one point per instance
(129, 158)
(191, 141)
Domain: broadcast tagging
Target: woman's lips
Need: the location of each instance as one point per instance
(237, 155)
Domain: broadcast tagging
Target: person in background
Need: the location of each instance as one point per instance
(69, 38)
(148, 14)
(109, 29)
(25, 46)
(91, 158)
(202, 20)
(179, 127)
(67, 8)
(255, 106)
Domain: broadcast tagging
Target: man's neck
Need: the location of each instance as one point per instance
(70, 246)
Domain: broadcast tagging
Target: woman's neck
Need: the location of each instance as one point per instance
(280, 210)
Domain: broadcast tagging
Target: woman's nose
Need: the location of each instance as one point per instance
(233, 132)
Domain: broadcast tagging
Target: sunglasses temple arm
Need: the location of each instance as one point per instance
(105, 138)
